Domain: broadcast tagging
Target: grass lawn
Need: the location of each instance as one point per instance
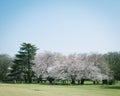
(59, 90)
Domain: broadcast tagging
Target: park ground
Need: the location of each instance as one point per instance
(59, 90)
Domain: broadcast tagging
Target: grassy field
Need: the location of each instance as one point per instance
(59, 90)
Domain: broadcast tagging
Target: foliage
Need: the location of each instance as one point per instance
(54, 66)
(5, 63)
(22, 67)
(113, 59)
(72, 67)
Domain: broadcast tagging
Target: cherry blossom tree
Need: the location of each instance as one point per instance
(42, 62)
(72, 67)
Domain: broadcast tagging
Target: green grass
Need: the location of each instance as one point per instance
(59, 90)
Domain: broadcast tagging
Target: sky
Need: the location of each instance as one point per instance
(63, 26)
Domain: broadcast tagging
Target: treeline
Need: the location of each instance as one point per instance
(28, 67)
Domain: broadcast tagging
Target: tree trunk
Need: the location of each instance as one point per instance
(78, 82)
(29, 77)
(63, 82)
(25, 78)
(38, 80)
(104, 81)
(94, 82)
(82, 81)
(73, 81)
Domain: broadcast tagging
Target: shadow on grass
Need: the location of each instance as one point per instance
(111, 87)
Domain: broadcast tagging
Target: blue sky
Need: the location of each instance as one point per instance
(65, 26)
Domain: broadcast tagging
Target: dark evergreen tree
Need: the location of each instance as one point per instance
(22, 67)
(114, 62)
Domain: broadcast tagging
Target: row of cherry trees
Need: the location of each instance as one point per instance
(26, 66)
(74, 67)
